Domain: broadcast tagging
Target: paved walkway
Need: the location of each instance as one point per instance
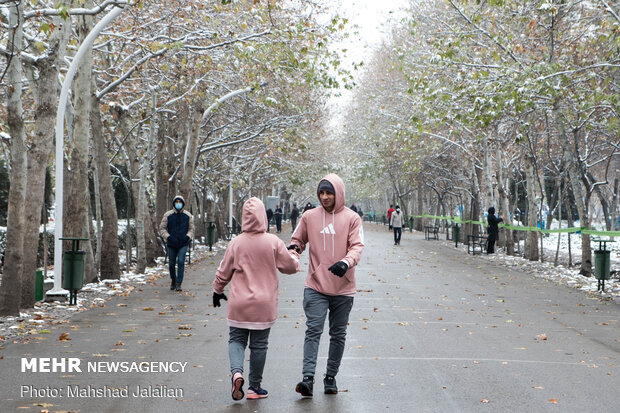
(432, 330)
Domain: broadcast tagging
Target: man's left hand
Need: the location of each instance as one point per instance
(340, 268)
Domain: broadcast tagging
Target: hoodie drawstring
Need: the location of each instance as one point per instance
(323, 229)
(331, 230)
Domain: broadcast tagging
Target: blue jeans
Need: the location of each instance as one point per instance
(316, 306)
(176, 257)
(237, 342)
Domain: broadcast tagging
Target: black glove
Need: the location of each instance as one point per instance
(294, 247)
(340, 268)
(217, 297)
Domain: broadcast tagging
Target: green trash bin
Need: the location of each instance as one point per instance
(73, 270)
(38, 286)
(211, 235)
(456, 234)
(602, 264)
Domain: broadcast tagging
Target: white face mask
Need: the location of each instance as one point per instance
(178, 205)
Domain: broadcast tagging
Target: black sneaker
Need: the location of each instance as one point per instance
(304, 387)
(178, 287)
(329, 382)
(173, 285)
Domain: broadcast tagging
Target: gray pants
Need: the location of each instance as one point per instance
(316, 306)
(237, 341)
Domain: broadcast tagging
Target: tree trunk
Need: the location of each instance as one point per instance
(531, 241)
(502, 186)
(571, 156)
(189, 159)
(162, 172)
(10, 294)
(46, 100)
(419, 223)
(614, 199)
(111, 269)
(77, 218)
(488, 172)
(142, 206)
(38, 157)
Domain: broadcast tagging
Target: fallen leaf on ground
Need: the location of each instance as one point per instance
(554, 400)
(148, 309)
(64, 337)
(484, 401)
(542, 336)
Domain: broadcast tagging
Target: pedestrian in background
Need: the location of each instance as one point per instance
(336, 235)
(396, 222)
(177, 230)
(269, 214)
(493, 229)
(250, 264)
(390, 211)
(308, 207)
(277, 214)
(294, 216)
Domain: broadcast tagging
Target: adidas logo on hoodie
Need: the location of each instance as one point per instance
(328, 229)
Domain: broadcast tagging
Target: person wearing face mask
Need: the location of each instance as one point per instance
(396, 222)
(177, 230)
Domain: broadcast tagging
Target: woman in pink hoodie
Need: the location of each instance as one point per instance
(250, 264)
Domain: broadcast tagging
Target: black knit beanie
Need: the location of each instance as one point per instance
(327, 186)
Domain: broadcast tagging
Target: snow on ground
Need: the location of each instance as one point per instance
(34, 321)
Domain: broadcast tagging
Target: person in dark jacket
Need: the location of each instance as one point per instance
(177, 230)
(294, 216)
(493, 230)
(269, 216)
(277, 214)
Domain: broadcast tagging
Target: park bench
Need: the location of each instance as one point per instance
(476, 244)
(431, 230)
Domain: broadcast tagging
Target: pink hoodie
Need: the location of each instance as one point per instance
(250, 265)
(333, 237)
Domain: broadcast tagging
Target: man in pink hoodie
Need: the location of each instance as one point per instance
(336, 239)
(250, 264)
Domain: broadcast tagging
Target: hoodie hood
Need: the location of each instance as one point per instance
(254, 217)
(338, 185)
(178, 197)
